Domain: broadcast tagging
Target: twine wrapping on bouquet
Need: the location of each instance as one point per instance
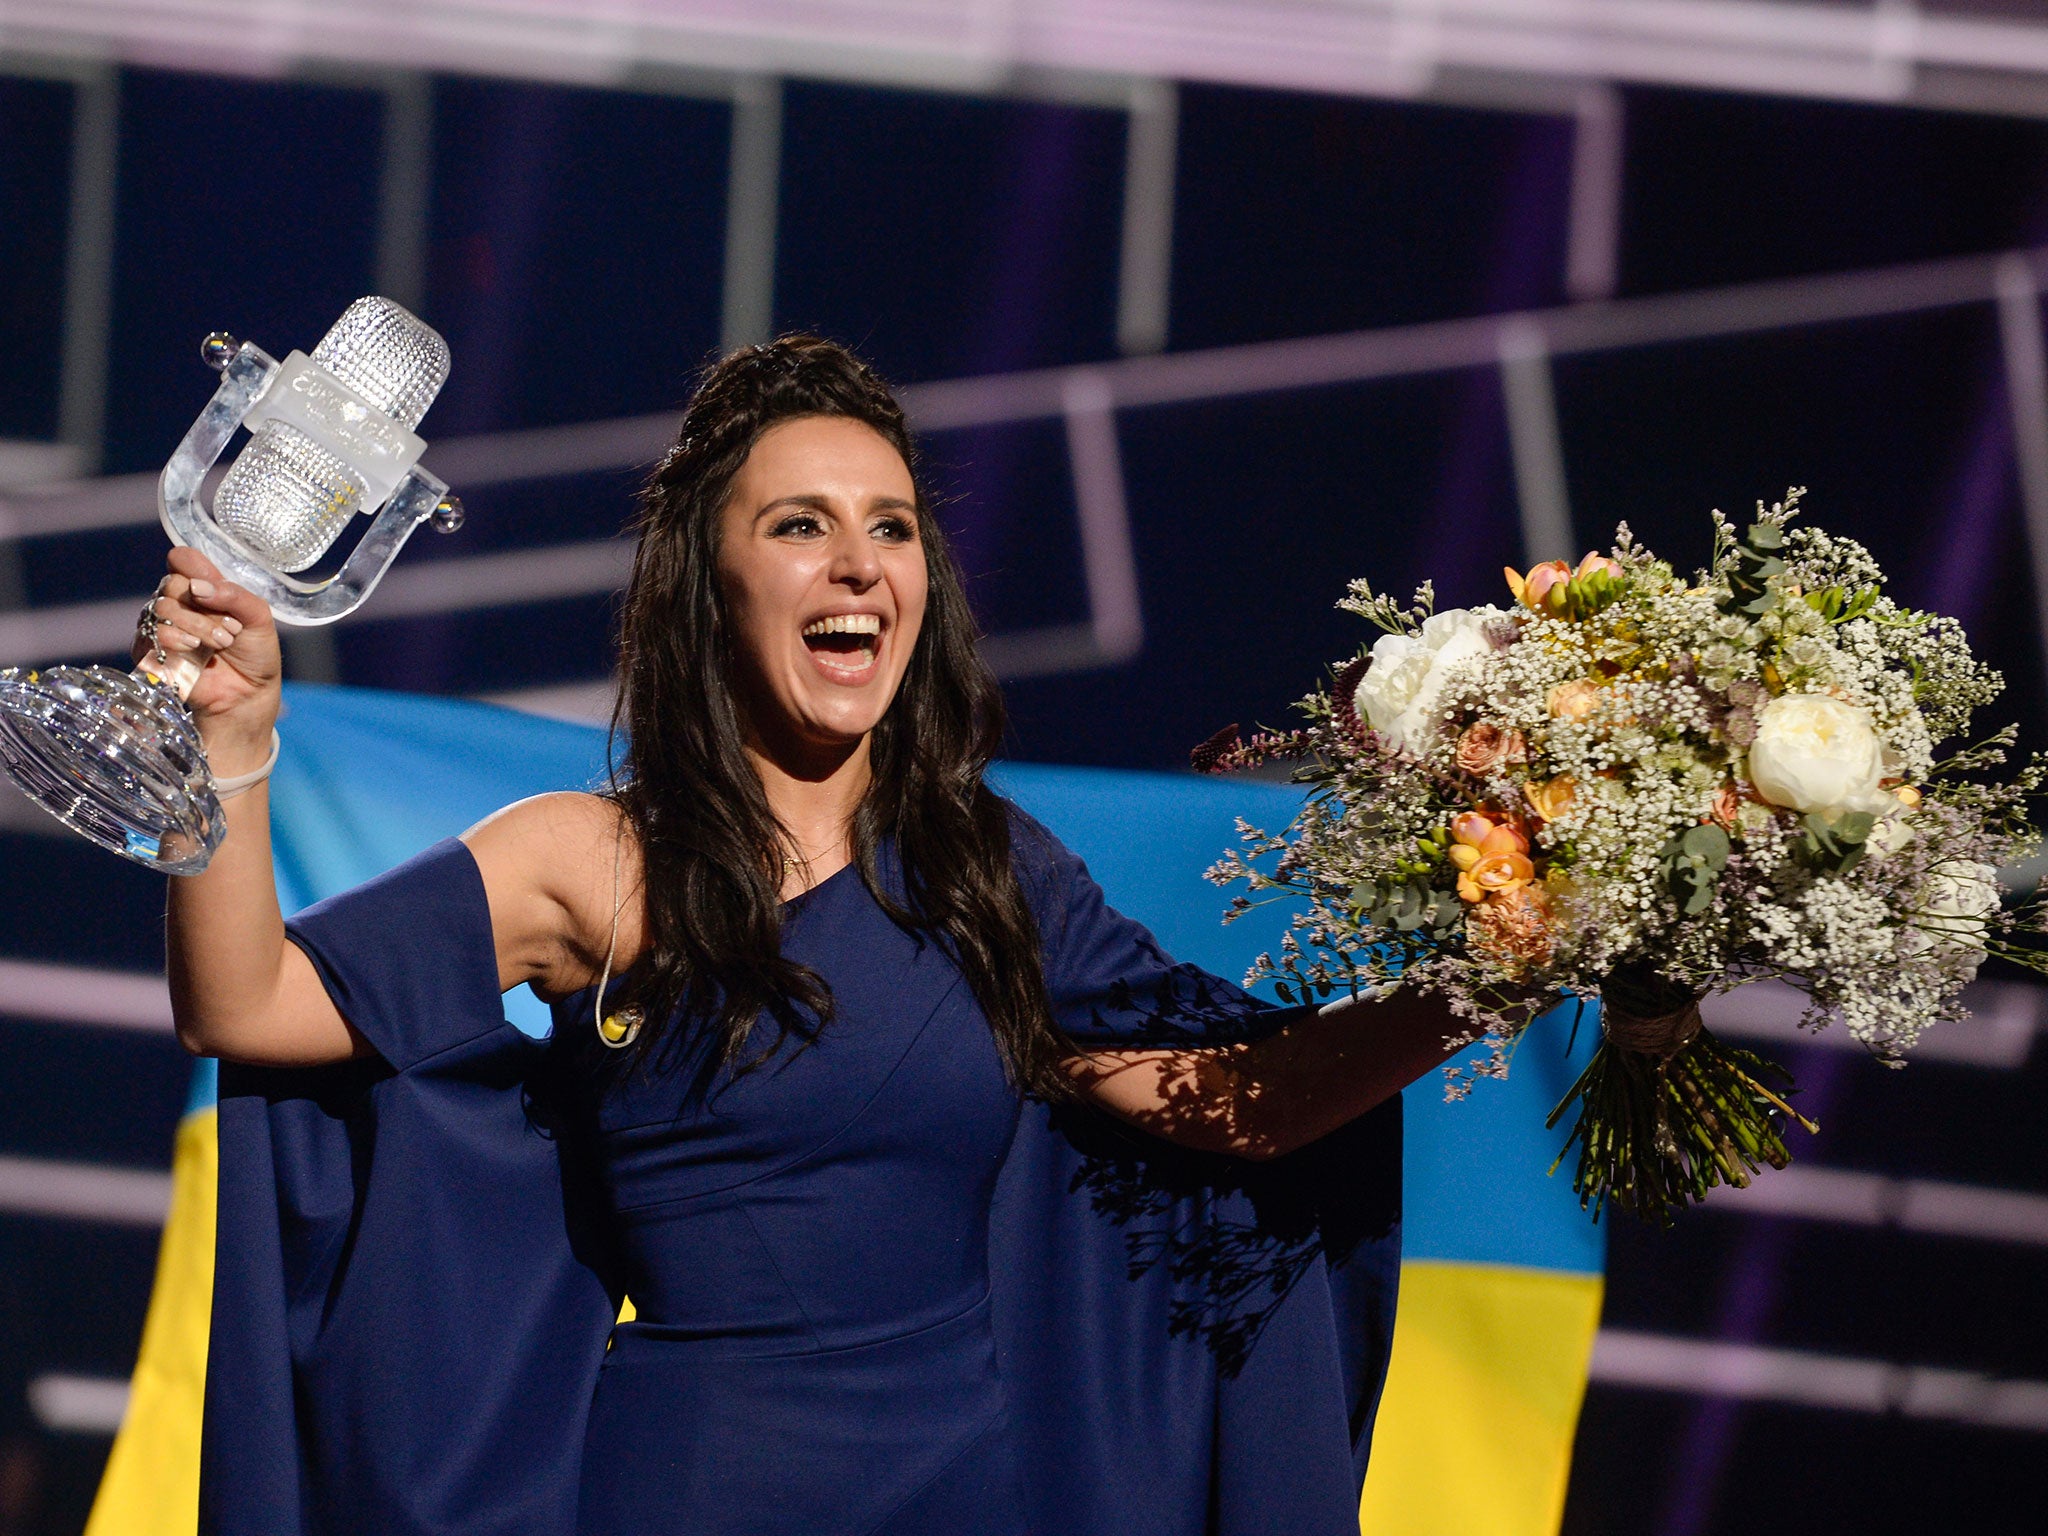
(1646, 1013)
(1666, 1111)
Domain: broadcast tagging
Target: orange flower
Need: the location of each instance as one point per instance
(1907, 796)
(1504, 838)
(1544, 588)
(1497, 872)
(1471, 827)
(1474, 833)
(1484, 747)
(1489, 855)
(1727, 801)
(1530, 590)
(1573, 700)
(1514, 927)
(1595, 561)
(1552, 799)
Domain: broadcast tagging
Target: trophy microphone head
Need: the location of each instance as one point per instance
(286, 497)
(387, 355)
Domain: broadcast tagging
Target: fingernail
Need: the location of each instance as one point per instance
(202, 589)
(222, 639)
(232, 625)
(176, 639)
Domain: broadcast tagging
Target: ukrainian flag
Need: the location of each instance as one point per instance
(1500, 1288)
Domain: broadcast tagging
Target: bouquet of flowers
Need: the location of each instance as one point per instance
(1651, 788)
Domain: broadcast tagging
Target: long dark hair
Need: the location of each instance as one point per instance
(712, 849)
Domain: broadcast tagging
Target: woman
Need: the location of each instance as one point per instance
(806, 969)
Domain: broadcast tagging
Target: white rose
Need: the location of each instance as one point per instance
(1816, 753)
(1400, 692)
(1952, 907)
(1891, 833)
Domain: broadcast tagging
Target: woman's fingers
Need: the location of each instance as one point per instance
(236, 607)
(189, 563)
(193, 622)
(198, 613)
(178, 631)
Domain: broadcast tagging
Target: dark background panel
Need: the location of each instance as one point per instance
(105, 563)
(566, 640)
(1249, 517)
(35, 206)
(525, 514)
(1301, 214)
(1728, 189)
(1006, 503)
(576, 250)
(70, 903)
(944, 235)
(1652, 1462)
(242, 205)
(90, 1094)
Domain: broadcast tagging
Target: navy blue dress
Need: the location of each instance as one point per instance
(877, 1293)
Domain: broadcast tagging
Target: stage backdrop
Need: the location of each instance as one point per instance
(1501, 1279)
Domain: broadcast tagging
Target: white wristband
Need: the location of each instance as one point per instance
(234, 784)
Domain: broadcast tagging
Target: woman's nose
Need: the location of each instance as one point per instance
(856, 561)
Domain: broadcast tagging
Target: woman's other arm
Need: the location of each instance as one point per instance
(1268, 1097)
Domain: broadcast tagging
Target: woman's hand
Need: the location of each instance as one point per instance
(228, 630)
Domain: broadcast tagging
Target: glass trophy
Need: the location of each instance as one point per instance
(115, 755)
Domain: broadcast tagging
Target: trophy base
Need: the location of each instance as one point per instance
(116, 758)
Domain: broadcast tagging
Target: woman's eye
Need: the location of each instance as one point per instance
(896, 530)
(798, 525)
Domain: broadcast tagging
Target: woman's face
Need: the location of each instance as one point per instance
(821, 561)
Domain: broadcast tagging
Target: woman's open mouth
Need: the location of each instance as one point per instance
(845, 646)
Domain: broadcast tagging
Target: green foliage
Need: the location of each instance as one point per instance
(1693, 862)
(1409, 906)
(1754, 560)
(1835, 847)
(1655, 1136)
(1839, 606)
(1586, 595)
(1380, 609)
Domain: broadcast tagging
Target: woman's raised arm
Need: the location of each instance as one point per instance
(238, 989)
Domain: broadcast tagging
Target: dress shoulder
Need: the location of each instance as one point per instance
(1111, 982)
(408, 956)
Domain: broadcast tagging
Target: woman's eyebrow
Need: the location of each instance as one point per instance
(815, 502)
(810, 501)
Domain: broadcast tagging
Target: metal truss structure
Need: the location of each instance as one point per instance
(1086, 398)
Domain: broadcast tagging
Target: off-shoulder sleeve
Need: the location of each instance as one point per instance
(1109, 980)
(1183, 1334)
(408, 957)
(410, 1292)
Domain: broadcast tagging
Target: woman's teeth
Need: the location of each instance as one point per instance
(845, 624)
(844, 643)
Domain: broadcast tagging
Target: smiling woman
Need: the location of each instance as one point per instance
(864, 990)
(765, 758)
(822, 565)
